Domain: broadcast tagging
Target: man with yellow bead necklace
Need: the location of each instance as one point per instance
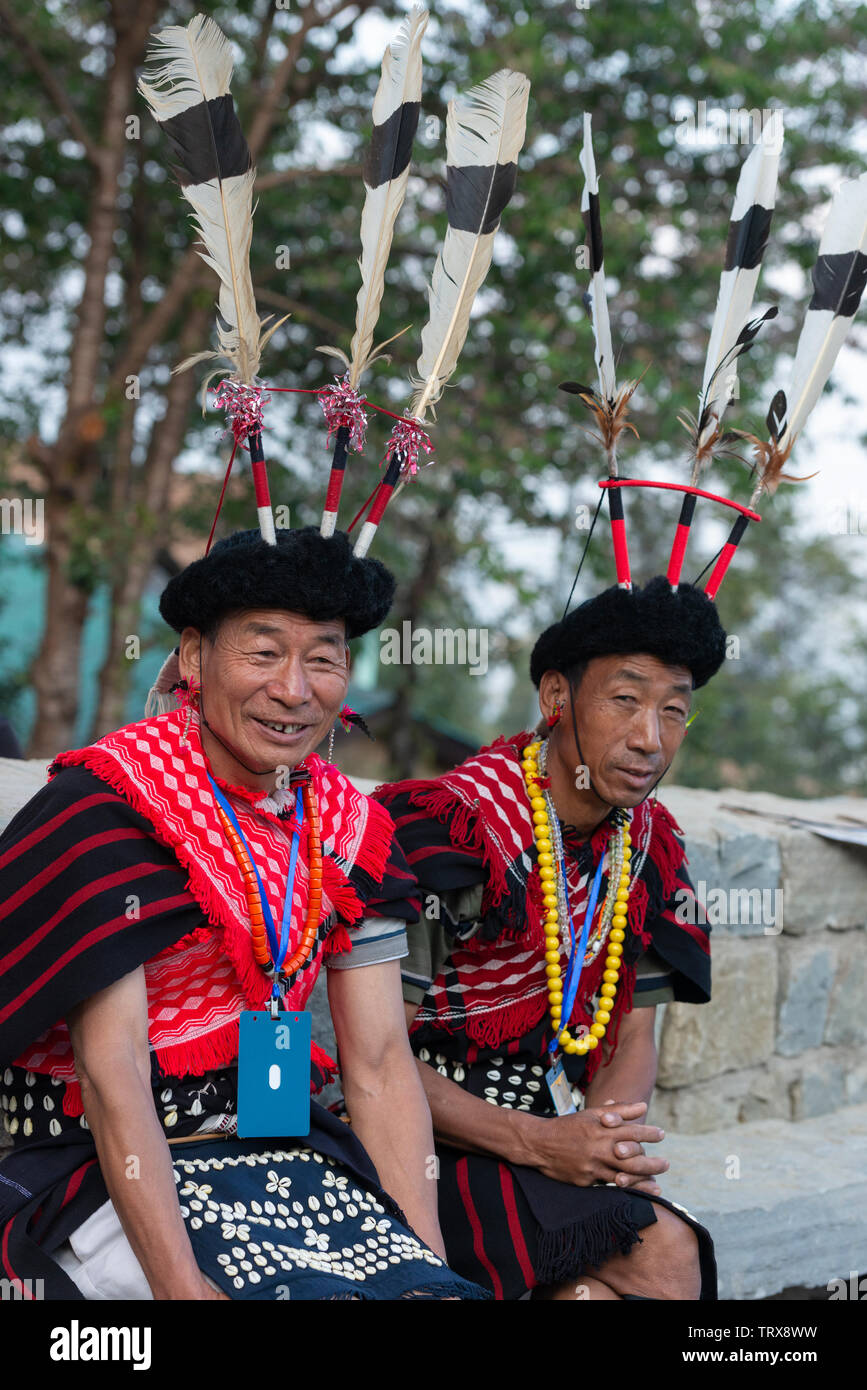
(549, 878)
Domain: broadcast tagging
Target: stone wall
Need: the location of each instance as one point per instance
(785, 1034)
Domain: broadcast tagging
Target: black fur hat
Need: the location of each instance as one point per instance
(680, 628)
(303, 573)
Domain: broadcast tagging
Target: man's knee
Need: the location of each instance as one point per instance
(673, 1246)
(664, 1265)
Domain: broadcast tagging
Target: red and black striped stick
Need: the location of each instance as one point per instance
(618, 535)
(380, 502)
(260, 487)
(726, 556)
(335, 481)
(681, 536)
(675, 564)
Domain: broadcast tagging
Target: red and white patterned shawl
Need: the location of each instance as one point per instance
(198, 986)
(495, 990)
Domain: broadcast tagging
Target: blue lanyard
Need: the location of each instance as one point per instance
(576, 958)
(278, 948)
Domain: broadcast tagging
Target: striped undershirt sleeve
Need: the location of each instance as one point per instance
(389, 906)
(377, 939)
(653, 981)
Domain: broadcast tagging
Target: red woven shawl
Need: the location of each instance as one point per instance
(496, 991)
(198, 986)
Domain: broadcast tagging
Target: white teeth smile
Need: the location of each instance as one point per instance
(281, 728)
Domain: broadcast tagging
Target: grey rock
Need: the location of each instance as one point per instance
(820, 1089)
(823, 882)
(847, 1012)
(703, 860)
(735, 1030)
(815, 1083)
(805, 976)
(797, 1211)
(757, 1093)
(855, 1076)
(736, 870)
(750, 872)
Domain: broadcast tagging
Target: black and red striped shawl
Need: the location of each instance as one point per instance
(474, 825)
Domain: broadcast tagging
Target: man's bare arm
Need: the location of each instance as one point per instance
(629, 1076)
(384, 1097)
(572, 1148)
(110, 1043)
(631, 1073)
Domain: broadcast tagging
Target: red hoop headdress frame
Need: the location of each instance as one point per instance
(681, 536)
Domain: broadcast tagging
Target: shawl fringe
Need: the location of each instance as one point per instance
(215, 1049)
(465, 827)
(326, 1065)
(337, 941)
(510, 1021)
(340, 891)
(666, 850)
(73, 1103)
(566, 1253)
(375, 848)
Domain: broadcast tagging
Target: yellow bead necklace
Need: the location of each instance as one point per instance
(556, 916)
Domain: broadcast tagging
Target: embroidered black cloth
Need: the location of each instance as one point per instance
(61, 941)
(309, 1216)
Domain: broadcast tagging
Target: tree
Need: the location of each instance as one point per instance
(105, 486)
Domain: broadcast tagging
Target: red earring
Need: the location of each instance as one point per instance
(554, 716)
(188, 693)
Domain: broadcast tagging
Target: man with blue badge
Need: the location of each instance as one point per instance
(168, 900)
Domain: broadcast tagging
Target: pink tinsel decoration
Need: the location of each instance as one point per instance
(344, 718)
(407, 438)
(243, 406)
(343, 405)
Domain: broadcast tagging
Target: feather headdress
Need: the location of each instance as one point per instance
(396, 108)
(189, 95)
(732, 331)
(608, 405)
(839, 277)
(485, 130)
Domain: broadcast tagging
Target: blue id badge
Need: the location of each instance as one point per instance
(558, 1085)
(274, 1074)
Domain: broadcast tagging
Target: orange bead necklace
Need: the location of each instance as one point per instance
(254, 891)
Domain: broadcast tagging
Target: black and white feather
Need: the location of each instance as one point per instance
(604, 356)
(839, 278)
(732, 332)
(485, 131)
(396, 109)
(608, 404)
(188, 93)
